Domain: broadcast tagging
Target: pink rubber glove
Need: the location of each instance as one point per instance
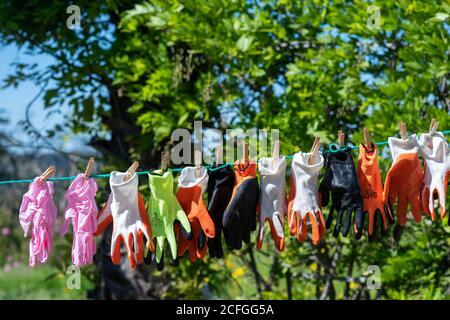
(38, 208)
(82, 210)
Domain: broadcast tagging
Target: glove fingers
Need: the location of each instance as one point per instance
(160, 264)
(321, 221)
(398, 231)
(315, 232)
(347, 221)
(115, 249)
(201, 240)
(390, 212)
(130, 250)
(206, 222)
(416, 207)
(359, 222)
(330, 218)
(402, 207)
(337, 226)
(371, 226)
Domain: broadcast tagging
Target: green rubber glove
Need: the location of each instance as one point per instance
(164, 211)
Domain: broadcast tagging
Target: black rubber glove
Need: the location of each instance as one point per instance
(239, 218)
(220, 190)
(341, 181)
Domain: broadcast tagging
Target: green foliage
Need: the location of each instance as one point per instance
(308, 68)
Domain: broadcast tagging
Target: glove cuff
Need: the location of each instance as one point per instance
(188, 179)
(400, 146)
(271, 166)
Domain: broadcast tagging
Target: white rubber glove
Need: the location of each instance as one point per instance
(304, 199)
(436, 155)
(272, 199)
(126, 210)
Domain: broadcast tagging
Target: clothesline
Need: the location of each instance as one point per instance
(210, 167)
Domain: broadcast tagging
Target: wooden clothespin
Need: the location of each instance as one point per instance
(244, 152)
(314, 150)
(341, 138)
(131, 170)
(367, 141)
(219, 155)
(198, 162)
(89, 168)
(275, 153)
(433, 126)
(403, 130)
(165, 159)
(47, 173)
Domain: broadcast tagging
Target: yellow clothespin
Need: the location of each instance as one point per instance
(89, 168)
(219, 155)
(131, 170)
(197, 162)
(314, 150)
(47, 173)
(403, 130)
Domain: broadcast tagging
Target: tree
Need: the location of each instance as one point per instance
(140, 70)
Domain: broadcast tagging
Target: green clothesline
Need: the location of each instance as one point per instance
(107, 175)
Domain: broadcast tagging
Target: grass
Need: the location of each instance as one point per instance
(41, 283)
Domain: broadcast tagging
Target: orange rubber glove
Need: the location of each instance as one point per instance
(371, 187)
(404, 179)
(189, 196)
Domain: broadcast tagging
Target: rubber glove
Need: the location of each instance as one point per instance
(165, 210)
(304, 198)
(125, 209)
(189, 194)
(220, 190)
(38, 208)
(82, 211)
(272, 200)
(340, 180)
(239, 218)
(372, 191)
(404, 179)
(436, 155)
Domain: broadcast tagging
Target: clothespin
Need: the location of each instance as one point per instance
(131, 170)
(275, 153)
(403, 130)
(314, 150)
(219, 155)
(244, 152)
(164, 161)
(89, 168)
(197, 162)
(341, 138)
(47, 173)
(367, 141)
(433, 126)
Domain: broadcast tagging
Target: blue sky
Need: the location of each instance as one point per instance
(14, 101)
